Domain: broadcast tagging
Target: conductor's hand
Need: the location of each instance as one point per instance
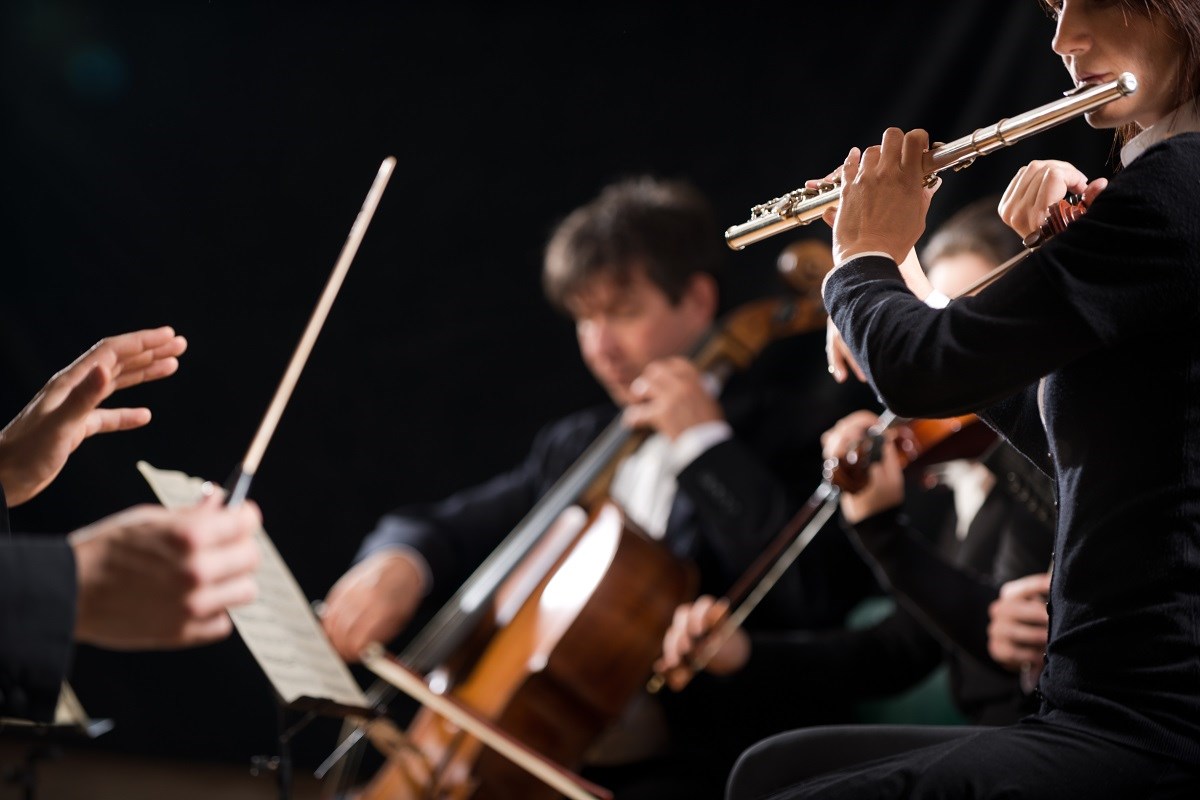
(152, 578)
(692, 622)
(670, 397)
(35, 445)
(1039, 185)
(885, 478)
(372, 602)
(1019, 623)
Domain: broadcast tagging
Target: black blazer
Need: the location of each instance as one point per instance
(37, 619)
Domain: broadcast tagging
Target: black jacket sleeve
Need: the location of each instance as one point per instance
(456, 534)
(37, 619)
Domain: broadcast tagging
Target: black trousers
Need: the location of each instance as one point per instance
(1029, 761)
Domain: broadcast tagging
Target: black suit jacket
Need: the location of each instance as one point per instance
(37, 618)
(731, 500)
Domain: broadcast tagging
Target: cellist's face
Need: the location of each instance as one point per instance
(1100, 39)
(623, 326)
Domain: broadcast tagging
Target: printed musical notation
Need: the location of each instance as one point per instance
(279, 627)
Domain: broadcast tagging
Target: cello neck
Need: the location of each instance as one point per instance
(459, 617)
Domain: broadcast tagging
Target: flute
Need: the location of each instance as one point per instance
(802, 206)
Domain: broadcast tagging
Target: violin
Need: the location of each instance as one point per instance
(555, 633)
(922, 443)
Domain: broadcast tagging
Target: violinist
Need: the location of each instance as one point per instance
(144, 578)
(983, 536)
(1098, 327)
(635, 269)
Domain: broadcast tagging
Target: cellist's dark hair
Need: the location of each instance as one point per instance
(665, 228)
(1182, 19)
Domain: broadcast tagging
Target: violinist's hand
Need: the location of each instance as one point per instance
(1019, 623)
(670, 397)
(151, 577)
(837, 353)
(372, 602)
(692, 622)
(884, 201)
(885, 479)
(1039, 185)
(35, 446)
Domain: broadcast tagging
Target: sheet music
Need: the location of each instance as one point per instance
(279, 627)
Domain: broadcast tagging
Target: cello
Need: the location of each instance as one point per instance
(557, 630)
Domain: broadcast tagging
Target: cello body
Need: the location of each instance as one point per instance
(559, 672)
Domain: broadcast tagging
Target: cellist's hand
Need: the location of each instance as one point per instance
(670, 397)
(692, 622)
(372, 602)
(1039, 185)
(885, 478)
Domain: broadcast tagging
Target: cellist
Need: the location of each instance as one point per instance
(635, 269)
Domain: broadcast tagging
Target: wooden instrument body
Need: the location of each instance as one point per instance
(557, 670)
(576, 626)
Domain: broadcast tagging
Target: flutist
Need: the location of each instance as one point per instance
(1087, 356)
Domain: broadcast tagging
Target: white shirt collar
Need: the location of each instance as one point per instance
(1181, 120)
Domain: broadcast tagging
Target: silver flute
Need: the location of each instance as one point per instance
(802, 206)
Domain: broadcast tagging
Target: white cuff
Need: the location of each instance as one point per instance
(694, 442)
(936, 299)
(853, 256)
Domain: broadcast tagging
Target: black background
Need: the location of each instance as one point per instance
(199, 164)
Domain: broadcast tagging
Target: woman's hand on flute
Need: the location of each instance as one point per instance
(884, 199)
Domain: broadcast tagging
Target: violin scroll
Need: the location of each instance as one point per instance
(1058, 217)
(921, 442)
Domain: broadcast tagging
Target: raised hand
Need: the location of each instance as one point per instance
(35, 445)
